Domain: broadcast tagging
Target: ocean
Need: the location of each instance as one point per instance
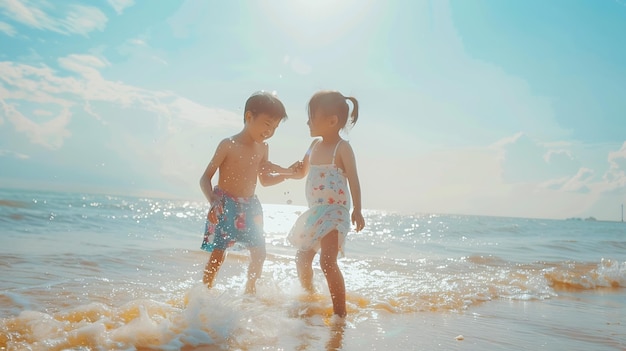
(101, 272)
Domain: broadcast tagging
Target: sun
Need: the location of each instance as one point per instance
(317, 21)
(324, 8)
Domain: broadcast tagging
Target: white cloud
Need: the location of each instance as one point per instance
(34, 84)
(57, 17)
(138, 42)
(43, 85)
(524, 159)
(14, 154)
(159, 60)
(555, 166)
(546, 179)
(501, 144)
(25, 12)
(7, 29)
(469, 180)
(85, 65)
(554, 155)
(42, 113)
(615, 177)
(90, 111)
(83, 19)
(82, 84)
(617, 159)
(153, 131)
(120, 5)
(581, 182)
(203, 116)
(49, 134)
(585, 181)
(140, 50)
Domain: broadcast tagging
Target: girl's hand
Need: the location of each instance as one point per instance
(357, 219)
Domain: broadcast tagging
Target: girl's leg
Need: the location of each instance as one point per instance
(257, 257)
(304, 265)
(334, 278)
(212, 267)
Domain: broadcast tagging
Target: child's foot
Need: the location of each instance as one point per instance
(250, 288)
(335, 320)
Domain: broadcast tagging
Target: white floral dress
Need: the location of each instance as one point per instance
(328, 198)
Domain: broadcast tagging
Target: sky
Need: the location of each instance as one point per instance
(481, 107)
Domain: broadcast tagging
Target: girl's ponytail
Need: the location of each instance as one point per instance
(354, 116)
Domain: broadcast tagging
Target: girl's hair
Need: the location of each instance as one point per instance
(334, 103)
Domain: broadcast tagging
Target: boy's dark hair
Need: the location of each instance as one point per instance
(265, 102)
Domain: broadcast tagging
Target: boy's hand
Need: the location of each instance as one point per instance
(296, 168)
(213, 197)
(215, 208)
(212, 215)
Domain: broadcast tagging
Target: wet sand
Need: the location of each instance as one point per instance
(573, 321)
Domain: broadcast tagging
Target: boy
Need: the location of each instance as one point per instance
(236, 214)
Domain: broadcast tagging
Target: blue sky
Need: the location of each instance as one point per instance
(488, 107)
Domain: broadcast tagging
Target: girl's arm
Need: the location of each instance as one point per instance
(347, 162)
(270, 173)
(212, 167)
(301, 168)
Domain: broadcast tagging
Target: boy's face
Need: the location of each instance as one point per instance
(261, 126)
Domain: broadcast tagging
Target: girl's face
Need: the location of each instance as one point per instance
(318, 123)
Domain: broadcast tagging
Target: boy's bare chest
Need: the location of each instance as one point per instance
(245, 157)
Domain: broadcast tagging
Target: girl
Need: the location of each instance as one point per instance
(331, 168)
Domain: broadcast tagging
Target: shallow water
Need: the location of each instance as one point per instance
(96, 272)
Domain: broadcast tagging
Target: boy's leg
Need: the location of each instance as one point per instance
(334, 278)
(257, 257)
(304, 265)
(212, 267)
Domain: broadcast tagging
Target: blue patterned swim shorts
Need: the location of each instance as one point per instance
(239, 220)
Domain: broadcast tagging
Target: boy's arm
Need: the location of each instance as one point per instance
(267, 172)
(274, 169)
(349, 165)
(212, 167)
(271, 174)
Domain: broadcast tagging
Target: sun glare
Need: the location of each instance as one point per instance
(317, 21)
(323, 8)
